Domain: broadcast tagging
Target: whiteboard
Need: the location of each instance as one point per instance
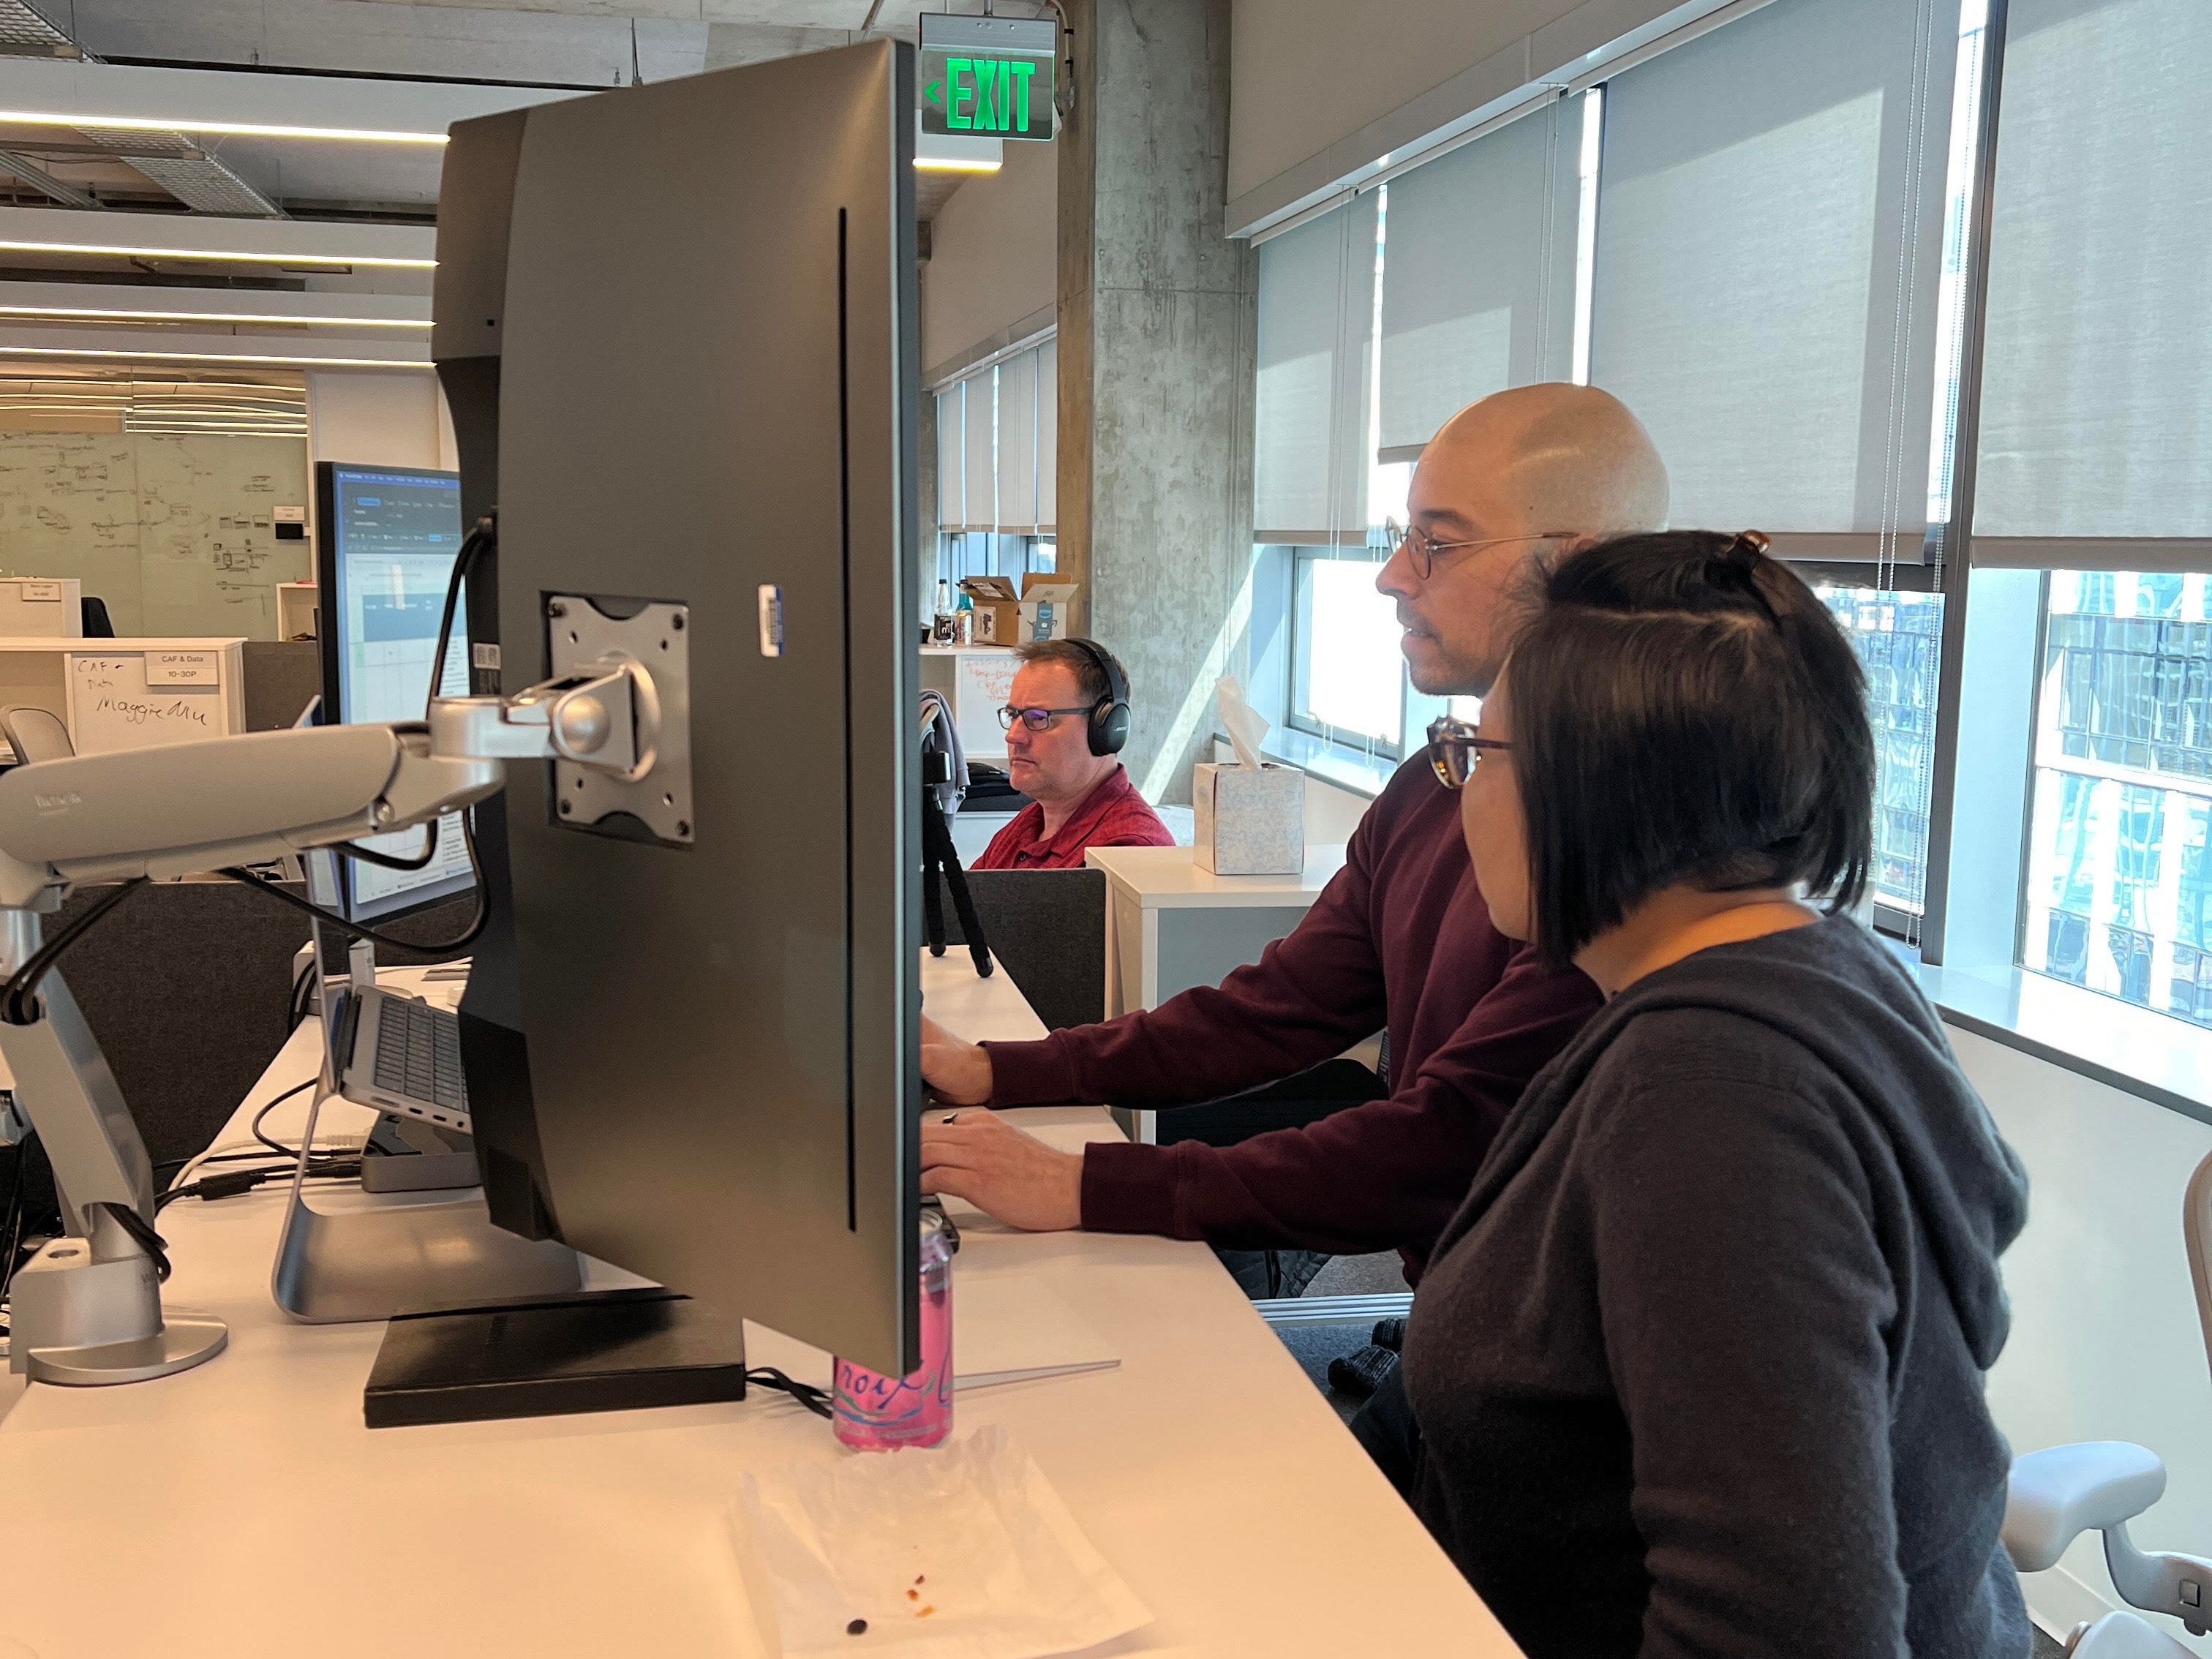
(175, 531)
(143, 699)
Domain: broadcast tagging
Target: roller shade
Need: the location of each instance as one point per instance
(1048, 440)
(1311, 404)
(1017, 448)
(983, 460)
(952, 482)
(2096, 414)
(1769, 239)
(1478, 274)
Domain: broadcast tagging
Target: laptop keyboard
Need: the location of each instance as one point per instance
(418, 1054)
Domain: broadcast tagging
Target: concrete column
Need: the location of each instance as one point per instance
(1157, 325)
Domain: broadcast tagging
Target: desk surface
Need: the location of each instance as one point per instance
(241, 1509)
(1169, 878)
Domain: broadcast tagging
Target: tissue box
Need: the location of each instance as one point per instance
(1248, 822)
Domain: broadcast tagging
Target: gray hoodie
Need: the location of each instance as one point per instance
(1698, 1366)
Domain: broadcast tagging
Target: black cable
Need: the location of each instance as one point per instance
(13, 1226)
(17, 1006)
(269, 1106)
(238, 1182)
(441, 950)
(815, 1400)
(142, 1232)
(485, 534)
(385, 860)
(302, 993)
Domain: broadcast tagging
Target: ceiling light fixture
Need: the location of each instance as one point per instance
(210, 357)
(946, 164)
(228, 129)
(76, 313)
(215, 256)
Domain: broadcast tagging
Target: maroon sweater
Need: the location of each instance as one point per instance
(1400, 940)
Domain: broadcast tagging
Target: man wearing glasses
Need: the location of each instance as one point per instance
(1399, 941)
(1065, 721)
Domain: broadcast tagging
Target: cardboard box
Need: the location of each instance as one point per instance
(1048, 607)
(1039, 610)
(1248, 822)
(998, 607)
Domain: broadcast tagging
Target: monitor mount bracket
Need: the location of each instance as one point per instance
(615, 718)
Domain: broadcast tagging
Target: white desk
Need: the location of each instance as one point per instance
(1170, 925)
(241, 1509)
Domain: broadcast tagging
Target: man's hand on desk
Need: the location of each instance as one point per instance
(1016, 1178)
(958, 1074)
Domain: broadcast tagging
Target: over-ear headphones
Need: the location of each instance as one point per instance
(1109, 716)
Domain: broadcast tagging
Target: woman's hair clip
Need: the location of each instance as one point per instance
(1749, 546)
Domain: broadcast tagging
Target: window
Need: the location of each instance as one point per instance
(1377, 321)
(2119, 891)
(997, 447)
(1898, 637)
(1349, 677)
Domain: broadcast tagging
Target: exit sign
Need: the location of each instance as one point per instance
(987, 76)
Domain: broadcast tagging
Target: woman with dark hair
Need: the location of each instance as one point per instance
(1698, 1367)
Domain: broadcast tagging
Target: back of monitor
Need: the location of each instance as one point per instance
(705, 392)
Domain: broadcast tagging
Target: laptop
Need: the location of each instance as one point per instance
(400, 1053)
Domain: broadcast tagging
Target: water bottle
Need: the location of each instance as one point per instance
(875, 1413)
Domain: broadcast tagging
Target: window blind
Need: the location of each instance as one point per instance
(1769, 244)
(952, 477)
(2096, 413)
(1311, 406)
(1048, 435)
(981, 451)
(1478, 274)
(1017, 443)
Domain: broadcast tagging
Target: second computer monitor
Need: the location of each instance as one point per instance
(386, 539)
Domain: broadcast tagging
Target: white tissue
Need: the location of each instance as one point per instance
(973, 1529)
(1244, 727)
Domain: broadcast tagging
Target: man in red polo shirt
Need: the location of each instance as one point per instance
(1061, 743)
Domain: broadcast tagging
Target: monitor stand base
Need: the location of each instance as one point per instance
(598, 1352)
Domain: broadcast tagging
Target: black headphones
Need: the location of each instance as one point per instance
(1109, 716)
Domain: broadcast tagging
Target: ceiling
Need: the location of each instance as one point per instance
(569, 44)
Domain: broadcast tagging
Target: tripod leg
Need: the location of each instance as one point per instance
(936, 840)
(963, 904)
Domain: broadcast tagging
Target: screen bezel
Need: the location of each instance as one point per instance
(332, 608)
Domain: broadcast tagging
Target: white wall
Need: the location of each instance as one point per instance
(992, 262)
(2105, 1341)
(379, 419)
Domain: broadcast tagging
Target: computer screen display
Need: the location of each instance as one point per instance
(388, 540)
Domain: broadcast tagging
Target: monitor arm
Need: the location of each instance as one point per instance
(87, 1308)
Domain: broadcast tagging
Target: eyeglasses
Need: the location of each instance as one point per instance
(1421, 549)
(1456, 750)
(1034, 720)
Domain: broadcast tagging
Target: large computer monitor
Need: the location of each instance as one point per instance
(387, 539)
(691, 1043)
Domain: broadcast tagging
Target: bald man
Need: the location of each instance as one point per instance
(1401, 941)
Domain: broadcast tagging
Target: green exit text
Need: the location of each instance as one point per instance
(1011, 97)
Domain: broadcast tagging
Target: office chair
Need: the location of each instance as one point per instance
(2100, 1485)
(35, 734)
(93, 619)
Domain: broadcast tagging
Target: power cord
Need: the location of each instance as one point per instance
(441, 950)
(815, 1400)
(484, 535)
(349, 849)
(17, 1006)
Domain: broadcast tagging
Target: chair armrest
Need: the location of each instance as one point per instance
(2062, 1492)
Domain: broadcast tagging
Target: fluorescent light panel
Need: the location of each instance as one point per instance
(229, 129)
(944, 164)
(211, 357)
(89, 314)
(205, 256)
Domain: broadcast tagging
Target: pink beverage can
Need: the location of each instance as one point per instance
(874, 1413)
